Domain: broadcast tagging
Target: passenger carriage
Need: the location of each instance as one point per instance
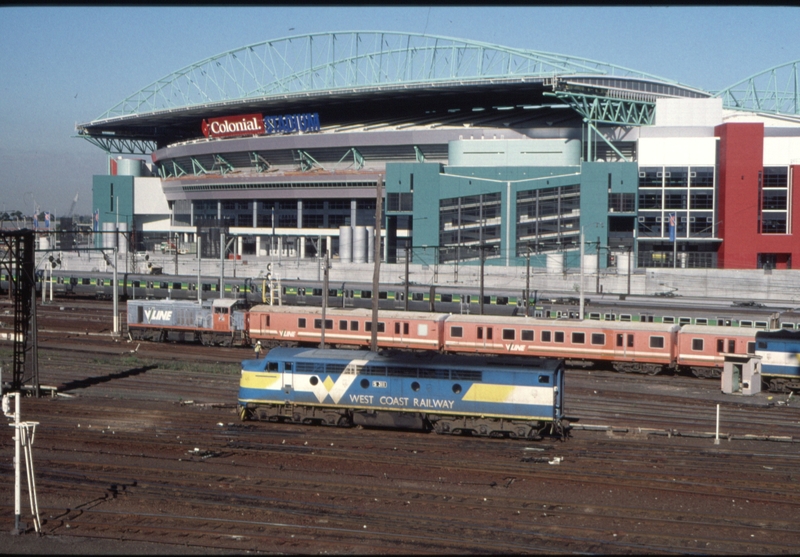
(449, 394)
(702, 349)
(285, 325)
(629, 347)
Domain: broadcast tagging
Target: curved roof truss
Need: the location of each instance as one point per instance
(349, 60)
(776, 90)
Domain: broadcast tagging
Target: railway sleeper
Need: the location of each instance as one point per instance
(487, 427)
(638, 367)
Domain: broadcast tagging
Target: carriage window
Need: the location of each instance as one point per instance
(697, 344)
(598, 338)
(559, 336)
(544, 379)
(366, 294)
(381, 326)
(527, 334)
(502, 300)
(382, 295)
(272, 366)
(417, 296)
(685, 320)
(656, 342)
(354, 325)
(751, 347)
(731, 346)
(343, 324)
(86, 281)
(447, 297)
(720, 345)
(397, 328)
(328, 323)
(422, 330)
(456, 332)
(301, 323)
(546, 336)
(99, 282)
(509, 334)
(701, 321)
(668, 319)
(176, 285)
(578, 338)
(164, 285)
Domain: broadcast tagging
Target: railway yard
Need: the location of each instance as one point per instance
(142, 447)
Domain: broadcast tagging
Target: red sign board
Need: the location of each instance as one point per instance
(230, 126)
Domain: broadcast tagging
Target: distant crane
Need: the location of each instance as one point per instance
(72, 209)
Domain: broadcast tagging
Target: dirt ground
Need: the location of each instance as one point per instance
(33, 544)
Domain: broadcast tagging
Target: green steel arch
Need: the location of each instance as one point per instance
(350, 60)
(776, 91)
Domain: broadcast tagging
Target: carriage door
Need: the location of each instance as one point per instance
(222, 320)
(288, 380)
(624, 343)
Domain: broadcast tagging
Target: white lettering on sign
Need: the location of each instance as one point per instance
(287, 333)
(361, 399)
(158, 315)
(515, 348)
(433, 403)
(393, 401)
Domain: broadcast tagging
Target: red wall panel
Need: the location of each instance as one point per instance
(741, 156)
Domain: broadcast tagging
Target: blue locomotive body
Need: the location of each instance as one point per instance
(780, 358)
(481, 396)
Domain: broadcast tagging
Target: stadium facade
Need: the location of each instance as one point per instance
(479, 152)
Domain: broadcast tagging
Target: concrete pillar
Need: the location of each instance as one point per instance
(299, 213)
(328, 240)
(255, 219)
(302, 240)
(353, 212)
(239, 242)
(258, 246)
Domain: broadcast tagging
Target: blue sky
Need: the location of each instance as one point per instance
(65, 65)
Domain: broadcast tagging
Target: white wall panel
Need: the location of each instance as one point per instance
(149, 198)
(677, 151)
(781, 151)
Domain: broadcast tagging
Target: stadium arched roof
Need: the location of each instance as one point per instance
(774, 91)
(350, 60)
(353, 70)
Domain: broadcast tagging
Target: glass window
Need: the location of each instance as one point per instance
(656, 342)
(527, 335)
(578, 338)
(697, 344)
(509, 334)
(559, 336)
(546, 336)
(301, 323)
(598, 339)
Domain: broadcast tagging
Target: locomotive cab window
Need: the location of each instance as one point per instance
(751, 347)
(544, 379)
(272, 366)
(656, 342)
(220, 310)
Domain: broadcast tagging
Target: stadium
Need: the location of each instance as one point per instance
(475, 153)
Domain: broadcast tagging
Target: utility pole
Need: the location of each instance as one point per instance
(324, 298)
(483, 258)
(597, 285)
(528, 280)
(405, 294)
(582, 254)
(376, 274)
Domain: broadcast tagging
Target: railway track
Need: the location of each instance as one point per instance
(146, 447)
